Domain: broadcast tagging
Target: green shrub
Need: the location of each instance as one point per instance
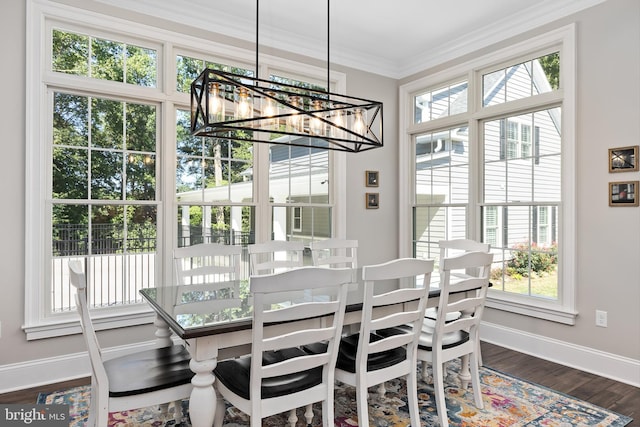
(537, 259)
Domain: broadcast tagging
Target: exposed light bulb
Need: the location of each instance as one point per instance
(338, 120)
(244, 109)
(269, 109)
(359, 125)
(315, 124)
(216, 103)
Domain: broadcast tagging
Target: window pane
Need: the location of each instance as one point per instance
(142, 66)
(441, 102)
(522, 158)
(140, 122)
(187, 69)
(106, 175)
(229, 225)
(107, 60)
(442, 166)
(519, 81)
(70, 174)
(70, 230)
(211, 169)
(141, 177)
(107, 124)
(314, 221)
(435, 223)
(298, 174)
(70, 240)
(70, 53)
(70, 119)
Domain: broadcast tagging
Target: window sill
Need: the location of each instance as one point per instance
(70, 325)
(532, 307)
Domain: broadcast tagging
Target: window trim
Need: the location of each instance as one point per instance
(41, 15)
(564, 310)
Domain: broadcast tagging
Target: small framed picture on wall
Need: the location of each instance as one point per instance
(623, 193)
(372, 200)
(623, 159)
(371, 178)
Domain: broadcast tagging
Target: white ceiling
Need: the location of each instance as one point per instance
(391, 38)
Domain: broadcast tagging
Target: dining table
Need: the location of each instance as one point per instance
(214, 323)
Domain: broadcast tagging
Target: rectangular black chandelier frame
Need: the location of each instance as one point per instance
(243, 108)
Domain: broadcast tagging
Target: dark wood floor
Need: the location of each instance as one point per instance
(619, 397)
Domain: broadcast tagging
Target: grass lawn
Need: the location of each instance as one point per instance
(545, 285)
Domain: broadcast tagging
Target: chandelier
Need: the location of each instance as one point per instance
(246, 108)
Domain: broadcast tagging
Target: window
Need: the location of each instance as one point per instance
(296, 224)
(442, 203)
(441, 102)
(499, 169)
(103, 170)
(118, 180)
(298, 186)
(103, 196)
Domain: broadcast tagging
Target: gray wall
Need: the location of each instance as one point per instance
(608, 256)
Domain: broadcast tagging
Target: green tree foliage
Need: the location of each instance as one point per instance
(551, 66)
(103, 149)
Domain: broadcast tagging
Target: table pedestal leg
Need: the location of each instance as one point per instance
(465, 376)
(163, 334)
(202, 404)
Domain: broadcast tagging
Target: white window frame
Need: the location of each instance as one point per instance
(564, 309)
(39, 80)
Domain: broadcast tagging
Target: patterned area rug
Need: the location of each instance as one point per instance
(507, 402)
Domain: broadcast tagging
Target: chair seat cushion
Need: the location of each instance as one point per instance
(449, 340)
(349, 347)
(432, 313)
(148, 370)
(235, 374)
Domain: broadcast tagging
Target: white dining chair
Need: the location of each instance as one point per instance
(275, 256)
(279, 376)
(137, 380)
(207, 263)
(443, 340)
(335, 252)
(450, 248)
(367, 358)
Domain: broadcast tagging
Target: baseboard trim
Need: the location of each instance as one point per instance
(35, 373)
(612, 366)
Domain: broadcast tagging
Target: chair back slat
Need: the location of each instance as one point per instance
(275, 256)
(299, 310)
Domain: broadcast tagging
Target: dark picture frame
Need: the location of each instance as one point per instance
(623, 159)
(372, 200)
(371, 178)
(623, 193)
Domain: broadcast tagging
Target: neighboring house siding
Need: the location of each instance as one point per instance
(434, 196)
